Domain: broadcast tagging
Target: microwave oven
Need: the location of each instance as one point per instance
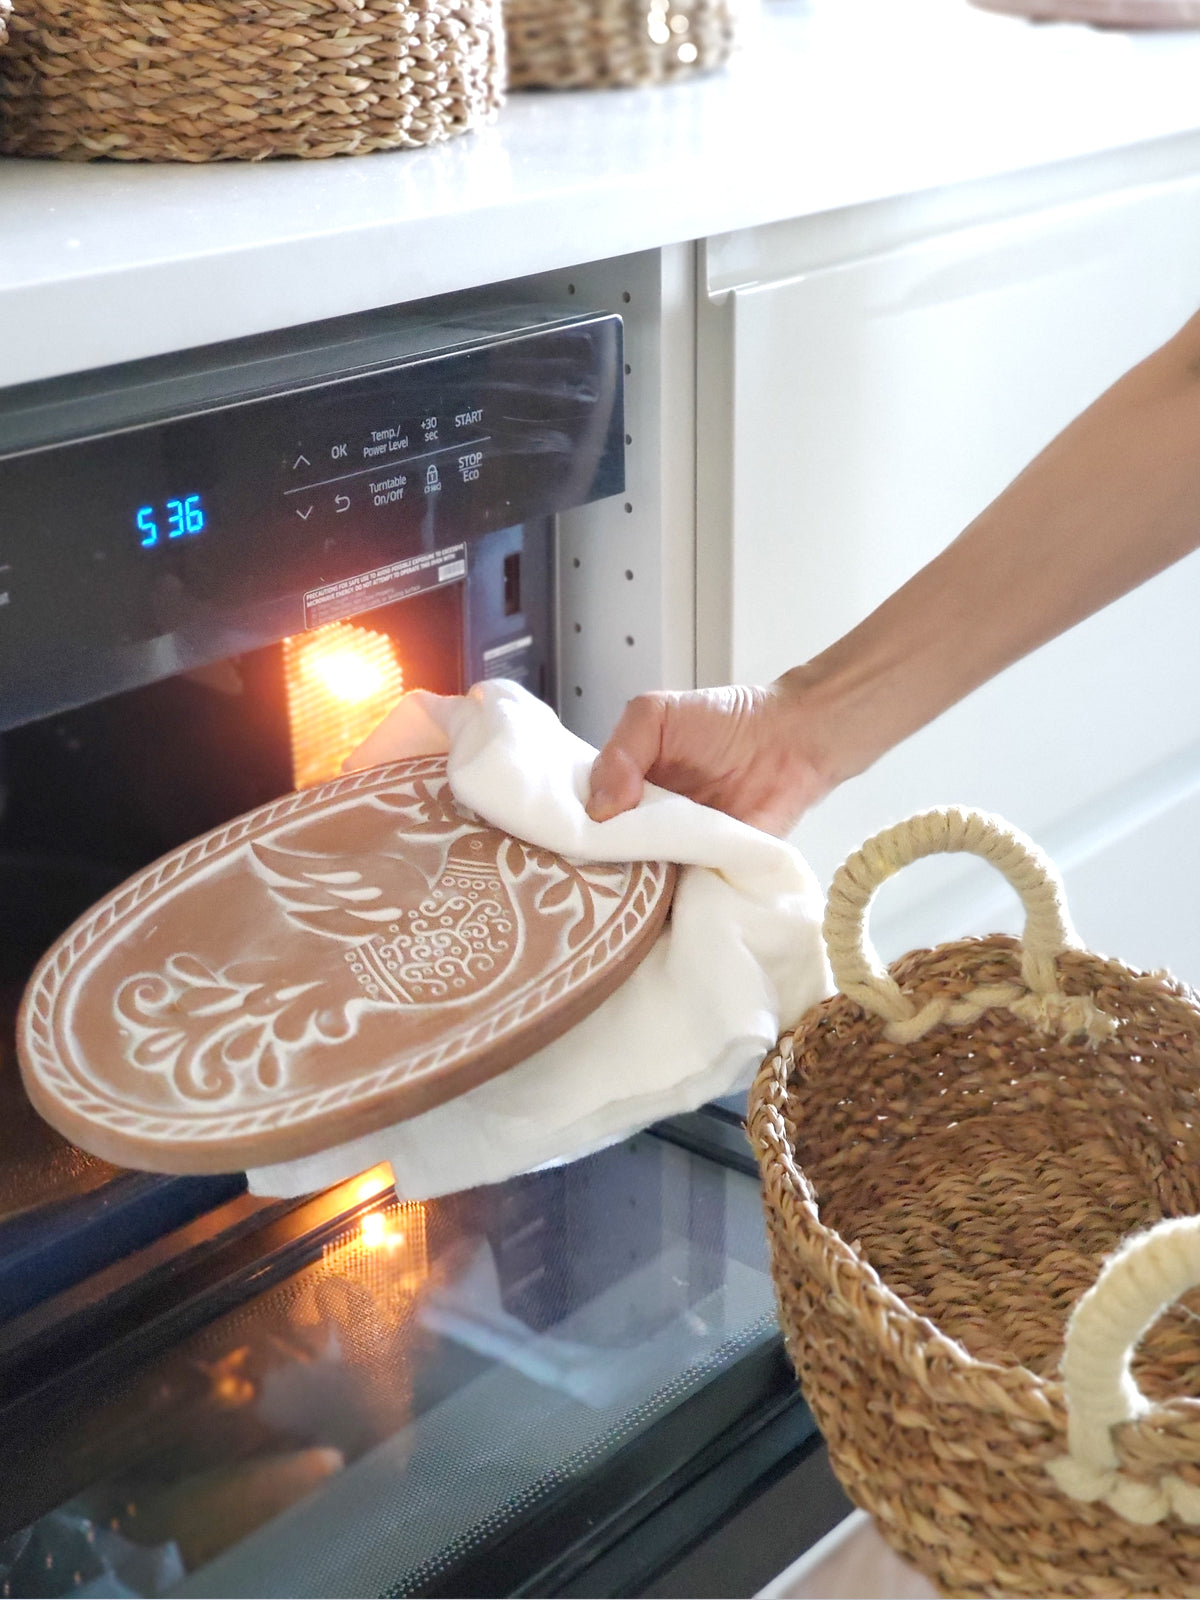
(218, 570)
(217, 573)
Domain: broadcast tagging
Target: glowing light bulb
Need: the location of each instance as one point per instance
(374, 1230)
(347, 675)
(341, 680)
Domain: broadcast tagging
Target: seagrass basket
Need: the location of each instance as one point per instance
(952, 1151)
(604, 44)
(212, 80)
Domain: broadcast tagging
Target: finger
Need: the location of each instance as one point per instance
(616, 785)
(618, 772)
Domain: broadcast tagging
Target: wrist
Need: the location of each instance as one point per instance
(846, 711)
(817, 706)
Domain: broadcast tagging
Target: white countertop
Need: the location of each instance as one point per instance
(835, 103)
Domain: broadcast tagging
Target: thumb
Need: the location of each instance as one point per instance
(618, 772)
(617, 784)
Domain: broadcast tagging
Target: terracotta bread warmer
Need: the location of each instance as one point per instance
(323, 967)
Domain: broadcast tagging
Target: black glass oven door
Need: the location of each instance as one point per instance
(482, 1395)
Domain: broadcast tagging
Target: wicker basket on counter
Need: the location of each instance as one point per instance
(211, 80)
(952, 1151)
(585, 44)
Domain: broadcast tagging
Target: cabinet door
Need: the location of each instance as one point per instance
(870, 410)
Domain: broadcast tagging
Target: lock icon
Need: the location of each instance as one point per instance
(432, 481)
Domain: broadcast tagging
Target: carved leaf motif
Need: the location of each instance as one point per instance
(556, 894)
(240, 1049)
(270, 1069)
(194, 971)
(221, 1044)
(273, 999)
(208, 1000)
(157, 1049)
(605, 878)
(568, 888)
(425, 810)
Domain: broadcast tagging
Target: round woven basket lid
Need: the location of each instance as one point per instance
(329, 964)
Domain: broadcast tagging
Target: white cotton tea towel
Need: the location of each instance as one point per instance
(740, 958)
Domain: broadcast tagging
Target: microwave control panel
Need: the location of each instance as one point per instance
(172, 512)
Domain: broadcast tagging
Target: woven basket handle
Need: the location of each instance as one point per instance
(859, 973)
(1136, 1285)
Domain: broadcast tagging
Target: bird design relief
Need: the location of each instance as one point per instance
(342, 958)
(346, 899)
(433, 909)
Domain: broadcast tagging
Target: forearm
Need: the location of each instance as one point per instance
(1111, 501)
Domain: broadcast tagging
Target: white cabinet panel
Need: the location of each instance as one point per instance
(626, 578)
(870, 410)
(1138, 899)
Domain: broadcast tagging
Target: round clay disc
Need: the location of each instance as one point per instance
(329, 964)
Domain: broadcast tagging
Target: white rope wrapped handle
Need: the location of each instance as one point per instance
(859, 973)
(1136, 1285)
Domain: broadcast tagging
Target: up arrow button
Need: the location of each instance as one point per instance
(301, 461)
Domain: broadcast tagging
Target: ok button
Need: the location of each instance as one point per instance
(339, 452)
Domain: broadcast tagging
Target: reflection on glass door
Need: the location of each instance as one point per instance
(400, 1400)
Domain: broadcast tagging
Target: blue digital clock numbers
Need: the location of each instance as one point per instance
(182, 518)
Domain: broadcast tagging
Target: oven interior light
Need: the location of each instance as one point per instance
(374, 1230)
(341, 680)
(347, 674)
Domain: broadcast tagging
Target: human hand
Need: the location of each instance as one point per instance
(750, 752)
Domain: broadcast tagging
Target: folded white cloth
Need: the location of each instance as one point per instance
(740, 958)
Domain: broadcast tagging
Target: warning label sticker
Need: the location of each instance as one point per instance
(397, 581)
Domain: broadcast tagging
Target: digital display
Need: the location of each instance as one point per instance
(175, 519)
